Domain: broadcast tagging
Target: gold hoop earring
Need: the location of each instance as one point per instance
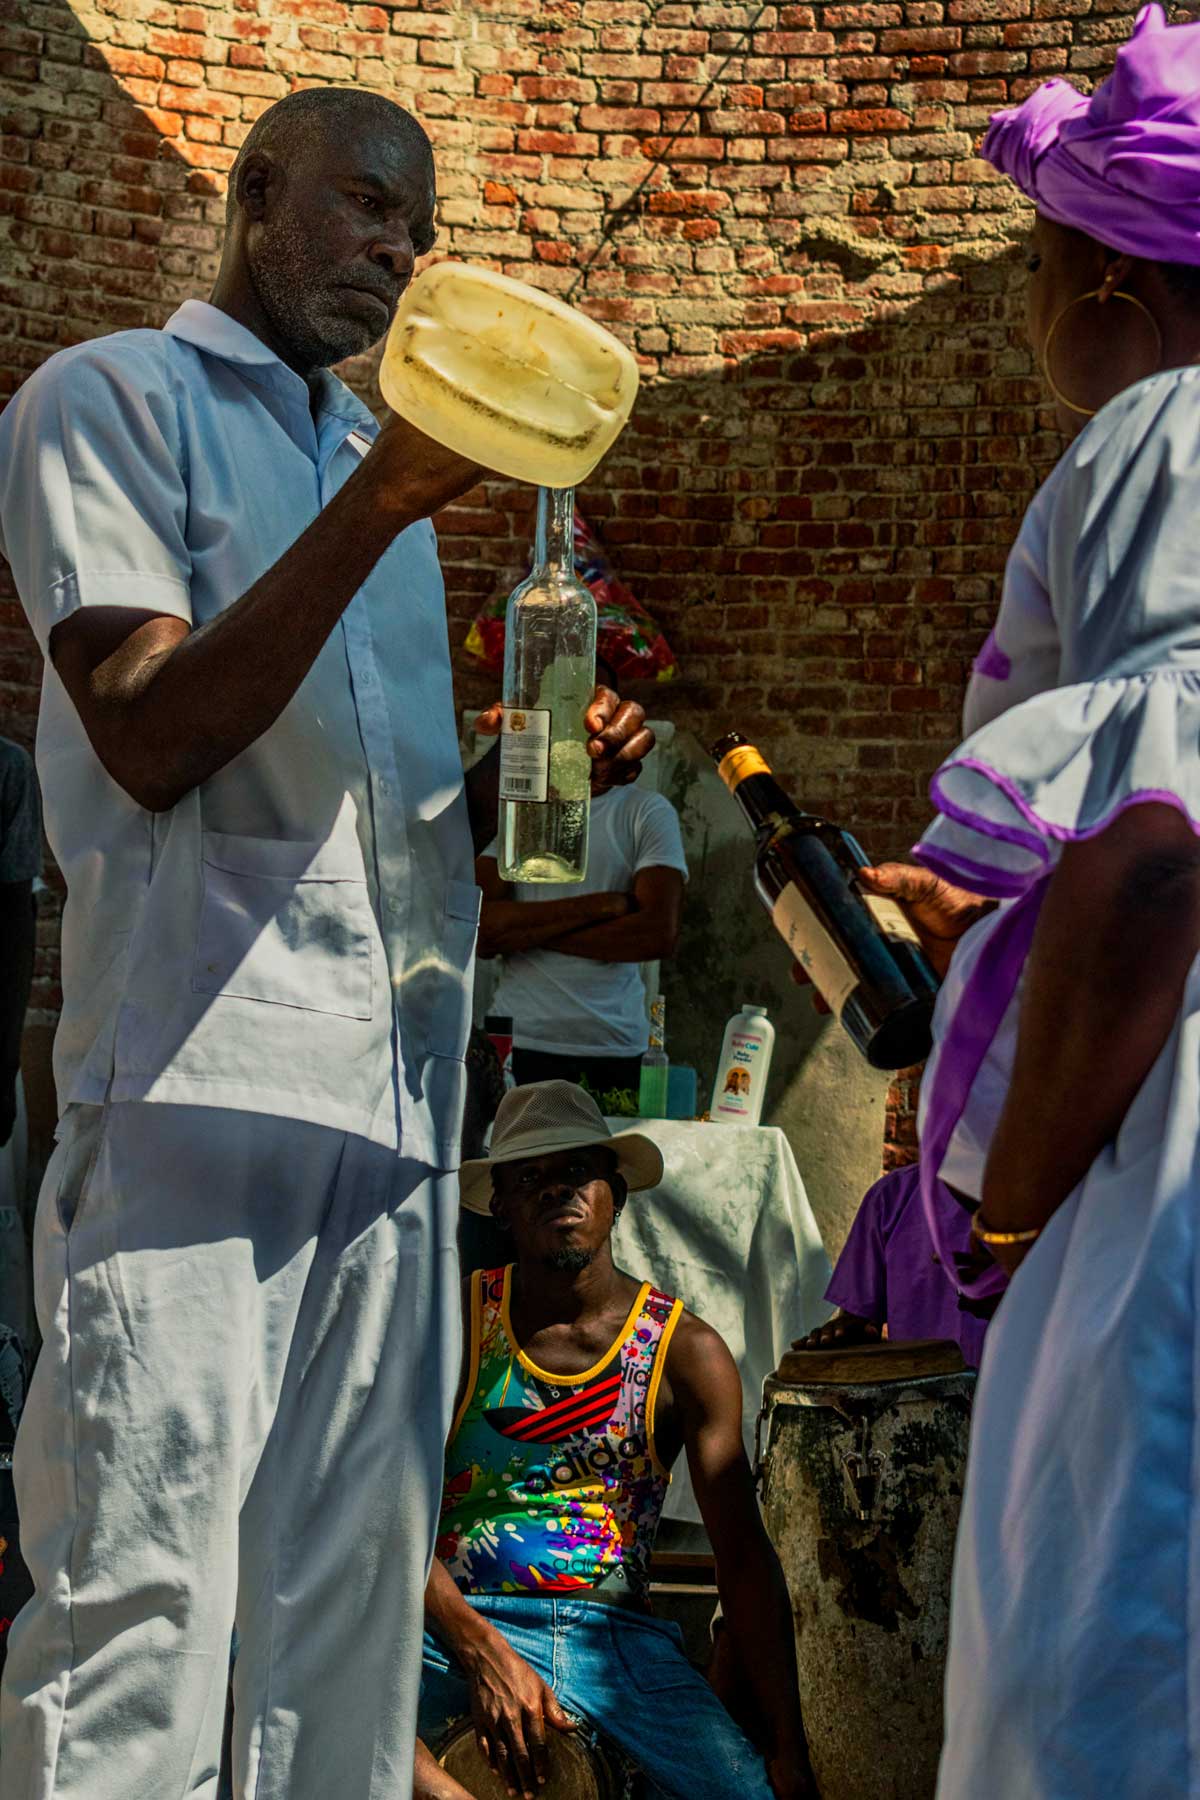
(1089, 412)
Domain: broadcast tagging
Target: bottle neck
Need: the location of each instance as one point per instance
(554, 540)
(763, 801)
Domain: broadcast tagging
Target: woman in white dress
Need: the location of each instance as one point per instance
(1063, 1095)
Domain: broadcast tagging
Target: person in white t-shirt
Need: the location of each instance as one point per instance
(571, 980)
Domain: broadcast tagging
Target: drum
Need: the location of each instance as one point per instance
(582, 1767)
(862, 1454)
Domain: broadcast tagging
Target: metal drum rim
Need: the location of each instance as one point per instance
(590, 1749)
(822, 1393)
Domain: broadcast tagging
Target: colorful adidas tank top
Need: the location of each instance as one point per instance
(552, 1483)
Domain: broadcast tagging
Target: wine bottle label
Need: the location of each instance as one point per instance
(813, 948)
(891, 919)
(741, 761)
(525, 753)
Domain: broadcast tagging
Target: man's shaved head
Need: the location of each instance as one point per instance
(311, 118)
(331, 201)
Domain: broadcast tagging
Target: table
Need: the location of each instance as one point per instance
(731, 1232)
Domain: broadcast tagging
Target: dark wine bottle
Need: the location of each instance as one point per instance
(859, 950)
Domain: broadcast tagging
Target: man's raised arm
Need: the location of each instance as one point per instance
(166, 706)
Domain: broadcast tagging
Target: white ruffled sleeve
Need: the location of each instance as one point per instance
(1122, 728)
(1062, 767)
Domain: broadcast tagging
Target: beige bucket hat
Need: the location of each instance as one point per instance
(550, 1116)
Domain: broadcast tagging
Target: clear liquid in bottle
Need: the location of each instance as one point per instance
(549, 680)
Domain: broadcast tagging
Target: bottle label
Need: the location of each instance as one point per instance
(737, 1076)
(891, 919)
(741, 761)
(813, 948)
(525, 753)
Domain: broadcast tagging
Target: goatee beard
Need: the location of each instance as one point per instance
(571, 1262)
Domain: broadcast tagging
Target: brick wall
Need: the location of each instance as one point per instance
(778, 205)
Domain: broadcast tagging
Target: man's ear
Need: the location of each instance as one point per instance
(256, 177)
(620, 1193)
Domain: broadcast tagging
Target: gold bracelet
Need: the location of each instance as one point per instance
(989, 1237)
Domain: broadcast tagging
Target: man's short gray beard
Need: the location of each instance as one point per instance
(572, 1262)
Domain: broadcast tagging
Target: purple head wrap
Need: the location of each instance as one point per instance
(1124, 165)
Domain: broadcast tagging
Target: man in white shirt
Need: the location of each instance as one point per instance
(572, 952)
(245, 1244)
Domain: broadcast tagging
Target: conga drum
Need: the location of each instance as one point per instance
(862, 1454)
(581, 1766)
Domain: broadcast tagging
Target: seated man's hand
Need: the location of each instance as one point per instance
(511, 1707)
(619, 740)
(839, 1333)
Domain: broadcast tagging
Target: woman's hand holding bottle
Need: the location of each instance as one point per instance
(940, 913)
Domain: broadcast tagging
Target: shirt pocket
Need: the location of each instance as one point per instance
(285, 922)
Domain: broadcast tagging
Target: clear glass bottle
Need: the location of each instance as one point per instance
(549, 680)
(655, 1076)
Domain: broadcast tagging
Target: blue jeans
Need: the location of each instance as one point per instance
(625, 1673)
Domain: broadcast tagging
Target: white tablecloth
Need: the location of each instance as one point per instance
(730, 1231)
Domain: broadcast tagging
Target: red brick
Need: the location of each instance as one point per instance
(558, 143)
(894, 43)
(699, 202)
(881, 118)
(190, 45)
(619, 118)
(123, 62)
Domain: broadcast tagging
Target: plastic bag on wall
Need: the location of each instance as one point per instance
(627, 638)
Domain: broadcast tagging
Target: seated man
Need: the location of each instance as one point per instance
(580, 1388)
(888, 1274)
(571, 951)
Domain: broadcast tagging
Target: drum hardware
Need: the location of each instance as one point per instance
(862, 1469)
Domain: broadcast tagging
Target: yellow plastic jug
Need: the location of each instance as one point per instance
(506, 375)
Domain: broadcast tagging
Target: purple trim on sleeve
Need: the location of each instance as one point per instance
(976, 1019)
(1063, 834)
(962, 815)
(996, 884)
(992, 661)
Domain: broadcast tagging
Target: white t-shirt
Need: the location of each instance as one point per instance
(565, 1005)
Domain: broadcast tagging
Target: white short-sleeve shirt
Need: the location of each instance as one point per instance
(567, 1005)
(296, 936)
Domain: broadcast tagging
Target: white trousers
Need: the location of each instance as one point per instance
(237, 1420)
